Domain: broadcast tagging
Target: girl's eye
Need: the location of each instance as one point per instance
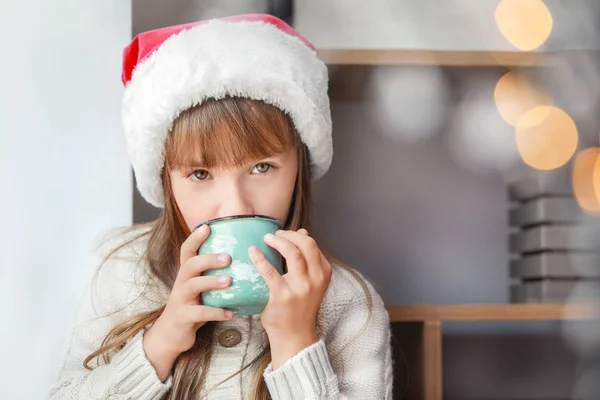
(262, 168)
(200, 174)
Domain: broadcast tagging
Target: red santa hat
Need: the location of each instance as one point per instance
(168, 70)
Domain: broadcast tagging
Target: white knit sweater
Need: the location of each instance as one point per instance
(352, 360)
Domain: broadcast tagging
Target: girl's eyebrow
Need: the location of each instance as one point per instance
(272, 157)
(198, 165)
(190, 165)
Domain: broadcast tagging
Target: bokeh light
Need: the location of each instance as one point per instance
(546, 137)
(584, 339)
(526, 24)
(410, 102)
(574, 80)
(478, 139)
(515, 94)
(586, 180)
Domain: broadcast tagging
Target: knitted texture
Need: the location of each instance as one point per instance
(352, 359)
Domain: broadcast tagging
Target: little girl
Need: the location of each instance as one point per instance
(225, 117)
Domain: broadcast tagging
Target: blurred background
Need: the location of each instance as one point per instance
(466, 170)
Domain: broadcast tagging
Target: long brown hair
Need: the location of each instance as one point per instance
(216, 133)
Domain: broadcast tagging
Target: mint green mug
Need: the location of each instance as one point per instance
(234, 235)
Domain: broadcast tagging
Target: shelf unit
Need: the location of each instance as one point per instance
(436, 57)
(419, 333)
(351, 69)
(418, 328)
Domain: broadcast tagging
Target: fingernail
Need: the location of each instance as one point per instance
(229, 314)
(223, 258)
(269, 237)
(202, 227)
(279, 232)
(253, 250)
(223, 279)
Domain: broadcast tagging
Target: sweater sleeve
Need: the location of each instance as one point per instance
(353, 358)
(111, 295)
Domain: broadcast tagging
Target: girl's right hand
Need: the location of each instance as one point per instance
(175, 330)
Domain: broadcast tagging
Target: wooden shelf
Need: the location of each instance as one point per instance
(351, 69)
(431, 57)
(418, 334)
(493, 312)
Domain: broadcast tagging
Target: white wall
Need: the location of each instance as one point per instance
(64, 172)
(408, 24)
(152, 14)
(435, 24)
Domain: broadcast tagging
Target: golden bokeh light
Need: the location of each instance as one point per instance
(596, 177)
(546, 137)
(586, 179)
(515, 95)
(526, 24)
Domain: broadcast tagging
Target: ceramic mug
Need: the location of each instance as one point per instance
(248, 293)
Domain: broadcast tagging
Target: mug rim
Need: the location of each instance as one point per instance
(240, 216)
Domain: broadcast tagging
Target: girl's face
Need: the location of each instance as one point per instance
(261, 186)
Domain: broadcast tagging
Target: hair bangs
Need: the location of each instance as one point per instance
(228, 132)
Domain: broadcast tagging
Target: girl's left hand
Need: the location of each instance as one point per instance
(291, 313)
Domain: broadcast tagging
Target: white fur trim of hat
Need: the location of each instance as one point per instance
(260, 57)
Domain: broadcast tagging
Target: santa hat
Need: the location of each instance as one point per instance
(168, 70)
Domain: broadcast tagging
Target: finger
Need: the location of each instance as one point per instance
(200, 313)
(194, 286)
(307, 246)
(196, 265)
(328, 266)
(296, 264)
(271, 276)
(327, 269)
(190, 246)
(303, 231)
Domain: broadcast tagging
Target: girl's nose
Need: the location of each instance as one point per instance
(235, 202)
